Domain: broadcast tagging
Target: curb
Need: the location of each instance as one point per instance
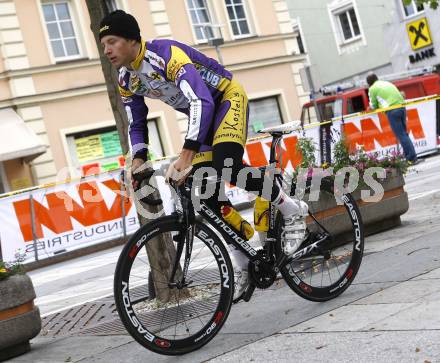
(74, 254)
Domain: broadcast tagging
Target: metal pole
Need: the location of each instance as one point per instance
(216, 42)
(124, 225)
(219, 54)
(34, 232)
(324, 132)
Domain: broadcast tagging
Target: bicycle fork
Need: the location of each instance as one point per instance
(184, 238)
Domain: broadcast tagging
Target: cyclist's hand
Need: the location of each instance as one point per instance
(180, 169)
(135, 165)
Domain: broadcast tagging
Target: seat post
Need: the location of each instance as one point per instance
(276, 139)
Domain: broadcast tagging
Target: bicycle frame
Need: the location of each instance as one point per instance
(233, 237)
(230, 235)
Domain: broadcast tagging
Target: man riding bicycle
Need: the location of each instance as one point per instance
(217, 110)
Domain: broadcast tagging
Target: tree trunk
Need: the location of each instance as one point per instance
(97, 10)
(161, 251)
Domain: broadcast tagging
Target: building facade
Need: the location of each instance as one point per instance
(51, 78)
(413, 37)
(345, 39)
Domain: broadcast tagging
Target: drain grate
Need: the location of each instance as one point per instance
(74, 320)
(114, 327)
(97, 318)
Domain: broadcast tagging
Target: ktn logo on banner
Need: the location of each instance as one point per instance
(66, 215)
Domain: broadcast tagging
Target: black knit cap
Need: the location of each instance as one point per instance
(121, 24)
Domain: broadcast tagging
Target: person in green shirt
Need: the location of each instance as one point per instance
(384, 94)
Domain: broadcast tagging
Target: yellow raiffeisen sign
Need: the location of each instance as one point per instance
(419, 34)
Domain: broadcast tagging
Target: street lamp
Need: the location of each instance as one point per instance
(213, 41)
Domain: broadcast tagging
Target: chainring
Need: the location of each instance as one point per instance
(262, 272)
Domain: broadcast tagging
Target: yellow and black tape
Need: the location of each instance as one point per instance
(309, 126)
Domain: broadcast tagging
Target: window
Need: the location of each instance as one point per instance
(155, 147)
(300, 44)
(308, 115)
(328, 110)
(412, 8)
(349, 25)
(264, 112)
(355, 104)
(296, 27)
(60, 28)
(200, 18)
(2, 179)
(331, 109)
(237, 17)
(99, 150)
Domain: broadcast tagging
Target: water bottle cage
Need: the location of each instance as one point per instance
(239, 232)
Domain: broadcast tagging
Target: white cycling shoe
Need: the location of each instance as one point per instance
(294, 230)
(241, 282)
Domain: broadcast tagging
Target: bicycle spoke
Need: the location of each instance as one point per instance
(329, 275)
(175, 313)
(203, 268)
(335, 262)
(195, 313)
(324, 274)
(194, 257)
(161, 320)
(183, 315)
(175, 325)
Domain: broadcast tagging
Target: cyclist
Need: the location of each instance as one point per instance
(217, 108)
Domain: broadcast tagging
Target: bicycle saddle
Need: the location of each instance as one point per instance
(286, 128)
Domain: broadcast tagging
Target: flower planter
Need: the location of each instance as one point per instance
(376, 216)
(385, 214)
(20, 319)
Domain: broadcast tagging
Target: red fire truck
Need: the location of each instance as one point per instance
(349, 98)
(352, 98)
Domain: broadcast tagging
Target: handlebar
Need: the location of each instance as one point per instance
(145, 175)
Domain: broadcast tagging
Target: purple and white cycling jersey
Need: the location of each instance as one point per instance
(180, 76)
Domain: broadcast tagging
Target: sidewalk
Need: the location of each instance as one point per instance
(390, 313)
(397, 324)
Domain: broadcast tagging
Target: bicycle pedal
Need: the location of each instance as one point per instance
(248, 293)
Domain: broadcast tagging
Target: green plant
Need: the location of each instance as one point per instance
(341, 155)
(432, 3)
(361, 160)
(9, 269)
(307, 147)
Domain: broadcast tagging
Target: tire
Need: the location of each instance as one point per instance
(196, 313)
(313, 277)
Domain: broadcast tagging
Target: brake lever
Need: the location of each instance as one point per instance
(139, 177)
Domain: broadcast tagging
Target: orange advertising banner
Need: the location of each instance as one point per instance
(65, 217)
(89, 211)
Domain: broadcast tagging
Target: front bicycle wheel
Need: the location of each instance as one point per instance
(174, 320)
(324, 275)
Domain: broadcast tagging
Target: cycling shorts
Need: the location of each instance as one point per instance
(230, 121)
